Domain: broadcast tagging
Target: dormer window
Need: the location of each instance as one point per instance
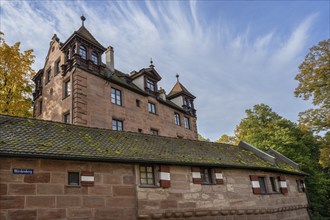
(151, 85)
(94, 58)
(83, 52)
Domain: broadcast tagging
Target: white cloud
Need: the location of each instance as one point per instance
(228, 71)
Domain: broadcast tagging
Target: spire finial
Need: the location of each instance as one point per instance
(82, 20)
(177, 77)
(151, 63)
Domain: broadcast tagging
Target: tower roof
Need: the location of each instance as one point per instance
(179, 89)
(84, 33)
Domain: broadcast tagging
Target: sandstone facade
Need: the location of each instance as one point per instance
(118, 194)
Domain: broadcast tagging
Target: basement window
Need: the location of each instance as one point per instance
(73, 178)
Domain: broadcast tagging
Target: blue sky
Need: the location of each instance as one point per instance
(230, 54)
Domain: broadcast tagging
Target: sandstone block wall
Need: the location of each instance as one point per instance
(93, 94)
(46, 194)
(232, 200)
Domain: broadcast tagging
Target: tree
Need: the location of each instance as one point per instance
(265, 129)
(228, 139)
(201, 138)
(314, 82)
(15, 79)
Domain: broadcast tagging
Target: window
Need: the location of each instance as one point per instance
(66, 118)
(67, 55)
(48, 75)
(137, 102)
(117, 125)
(273, 182)
(73, 178)
(186, 122)
(177, 119)
(151, 85)
(262, 184)
(147, 175)
(83, 52)
(153, 131)
(300, 185)
(57, 66)
(74, 49)
(206, 176)
(94, 58)
(115, 96)
(40, 107)
(67, 88)
(151, 107)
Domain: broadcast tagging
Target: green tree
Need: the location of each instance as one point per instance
(265, 129)
(228, 139)
(15, 79)
(314, 83)
(201, 138)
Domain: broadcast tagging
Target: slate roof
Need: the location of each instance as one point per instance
(83, 32)
(23, 137)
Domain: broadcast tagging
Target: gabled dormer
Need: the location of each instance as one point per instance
(83, 50)
(182, 97)
(147, 79)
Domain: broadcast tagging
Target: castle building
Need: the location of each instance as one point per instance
(76, 87)
(108, 145)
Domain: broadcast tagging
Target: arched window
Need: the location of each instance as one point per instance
(83, 52)
(94, 58)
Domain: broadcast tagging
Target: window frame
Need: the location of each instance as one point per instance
(115, 97)
(300, 186)
(57, 66)
(117, 121)
(155, 176)
(208, 179)
(66, 116)
(40, 107)
(67, 88)
(83, 52)
(70, 183)
(151, 85)
(154, 131)
(177, 119)
(95, 58)
(186, 122)
(152, 108)
(274, 184)
(263, 185)
(48, 75)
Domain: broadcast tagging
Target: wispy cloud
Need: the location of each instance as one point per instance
(228, 70)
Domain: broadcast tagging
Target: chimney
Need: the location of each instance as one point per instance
(162, 94)
(109, 57)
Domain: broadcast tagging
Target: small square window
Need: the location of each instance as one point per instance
(137, 102)
(153, 131)
(115, 96)
(117, 125)
(151, 107)
(147, 175)
(73, 178)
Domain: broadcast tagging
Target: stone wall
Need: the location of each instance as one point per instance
(97, 110)
(117, 195)
(232, 200)
(46, 194)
